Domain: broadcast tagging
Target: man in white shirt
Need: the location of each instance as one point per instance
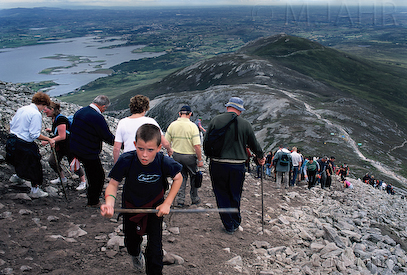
(296, 160)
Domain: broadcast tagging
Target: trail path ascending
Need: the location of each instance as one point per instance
(379, 166)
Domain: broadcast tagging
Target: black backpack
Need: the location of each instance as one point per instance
(284, 159)
(213, 143)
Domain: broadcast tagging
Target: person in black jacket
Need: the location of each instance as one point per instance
(89, 129)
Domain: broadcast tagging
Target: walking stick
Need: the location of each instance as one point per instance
(196, 210)
(262, 201)
(67, 170)
(59, 171)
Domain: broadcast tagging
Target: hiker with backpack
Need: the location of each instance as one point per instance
(225, 143)
(311, 168)
(60, 132)
(282, 162)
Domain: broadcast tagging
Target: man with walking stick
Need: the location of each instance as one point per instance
(227, 164)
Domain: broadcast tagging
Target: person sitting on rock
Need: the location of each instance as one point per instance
(60, 133)
(347, 184)
(390, 189)
(366, 178)
(145, 171)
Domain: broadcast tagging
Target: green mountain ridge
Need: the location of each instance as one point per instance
(297, 63)
(382, 85)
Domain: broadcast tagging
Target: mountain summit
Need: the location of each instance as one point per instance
(299, 93)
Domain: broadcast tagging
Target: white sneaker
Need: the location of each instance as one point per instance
(16, 179)
(58, 180)
(38, 194)
(82, 186)
(139, 263)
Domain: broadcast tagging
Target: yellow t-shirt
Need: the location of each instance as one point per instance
(183, 134)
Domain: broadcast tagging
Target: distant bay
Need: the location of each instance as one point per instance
(71, 63)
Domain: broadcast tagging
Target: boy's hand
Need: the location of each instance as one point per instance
(163, 209)
(106, 210)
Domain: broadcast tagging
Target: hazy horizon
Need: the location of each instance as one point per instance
(8, 4)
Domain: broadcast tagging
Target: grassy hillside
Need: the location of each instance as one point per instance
(132, 77)
(383, 85)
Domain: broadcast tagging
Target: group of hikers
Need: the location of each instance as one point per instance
(289, 167)
(379, 184)
(139, 160)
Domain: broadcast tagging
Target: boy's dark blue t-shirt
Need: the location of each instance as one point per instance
(143, 182)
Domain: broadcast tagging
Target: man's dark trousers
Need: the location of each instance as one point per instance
(96, 178)
(227, 183)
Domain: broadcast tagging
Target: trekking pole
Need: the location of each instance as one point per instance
(262, 201)
(196, 210)
(66, 170)
(59, 172)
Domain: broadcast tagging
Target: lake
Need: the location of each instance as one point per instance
(71, 63)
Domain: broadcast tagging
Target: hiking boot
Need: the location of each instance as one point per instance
(38, 194)
(16, 179)
(58, 180)
(180, 205)
(82, 186)
(198, 201)
(139, 263)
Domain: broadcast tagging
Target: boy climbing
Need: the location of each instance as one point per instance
(146, 171)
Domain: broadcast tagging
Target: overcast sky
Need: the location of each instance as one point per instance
(4, 4)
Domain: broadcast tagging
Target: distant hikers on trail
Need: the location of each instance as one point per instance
(201, 129)
(127, 127)
(60, 132)
(379, 184)
(89, 129)
(21, 150)
(145, 171)
(183, 136)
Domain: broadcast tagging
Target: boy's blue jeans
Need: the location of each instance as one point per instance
(268, 171)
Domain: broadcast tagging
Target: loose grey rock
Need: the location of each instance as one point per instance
(116, 241)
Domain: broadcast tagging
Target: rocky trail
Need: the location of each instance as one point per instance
(332, 231)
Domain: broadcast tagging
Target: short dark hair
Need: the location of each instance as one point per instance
(149, 132)
(40, 98)
(139, 104)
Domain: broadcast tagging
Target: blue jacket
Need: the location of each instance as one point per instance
(89, 129)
